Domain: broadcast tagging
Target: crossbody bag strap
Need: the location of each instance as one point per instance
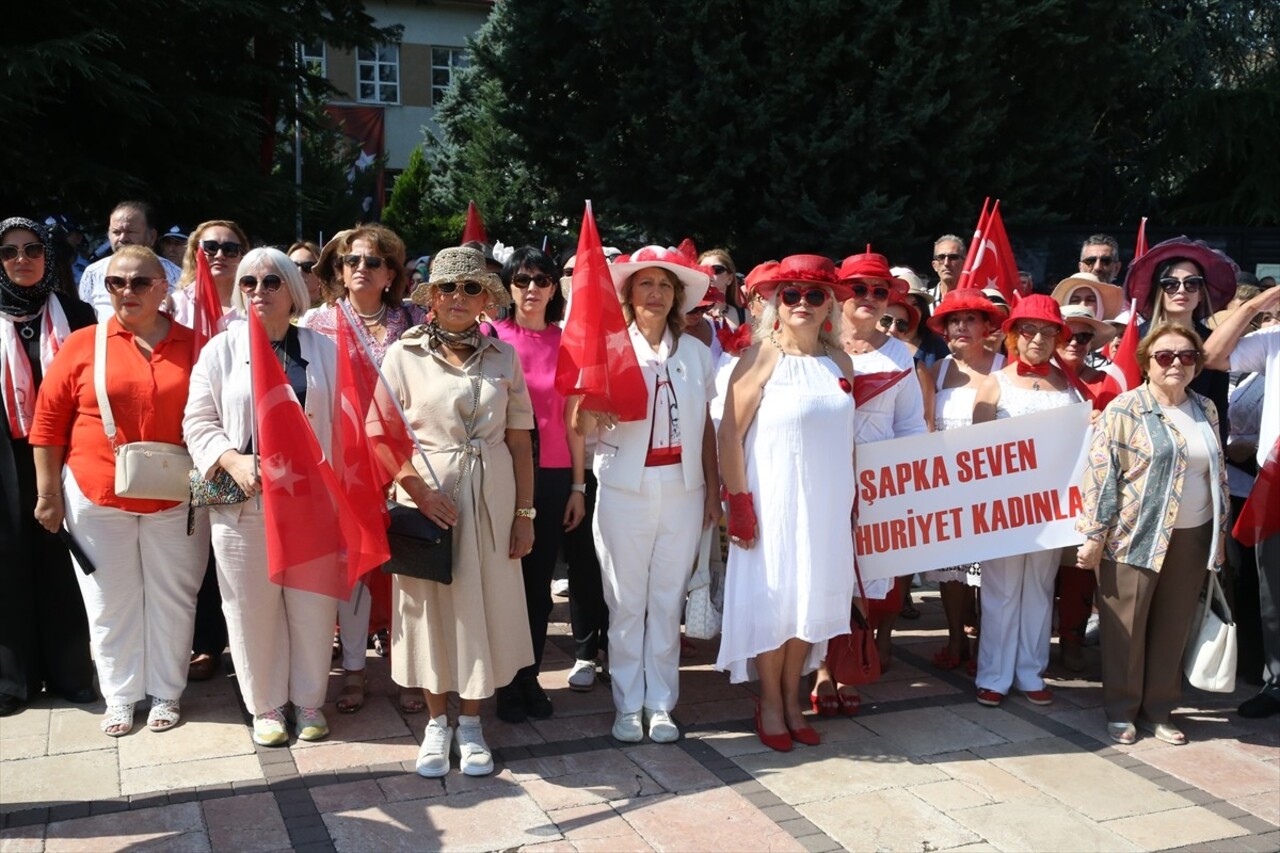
(100, 382)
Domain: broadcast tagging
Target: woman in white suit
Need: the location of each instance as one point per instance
(659, 488)
(280, 637)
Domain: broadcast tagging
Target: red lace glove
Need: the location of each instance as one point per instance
(742, 516)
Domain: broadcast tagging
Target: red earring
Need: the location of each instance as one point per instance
(777, 324)
(826, 327)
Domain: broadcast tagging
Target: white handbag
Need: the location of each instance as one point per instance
(148, 470)
(1210, 657)
(702, 612)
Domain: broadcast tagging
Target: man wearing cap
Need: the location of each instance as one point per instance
(173, 245)
(129, 225)
(1100, 255)
(948, 260)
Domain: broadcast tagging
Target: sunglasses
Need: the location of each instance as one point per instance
(306, 266)
(1105, 260)
(887, 322)
(372, 262)
(1030, 330)
(948, 256)
(815, 296)
(523, 280)
(1191, 284)
(471, 288)
(30, 251)
(1185, 357)
(138, 284)
(1082, 338)
(878, 292)
(229, 249)
(270, 283)
(719, 269)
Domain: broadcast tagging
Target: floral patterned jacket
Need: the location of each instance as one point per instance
(1134, 480)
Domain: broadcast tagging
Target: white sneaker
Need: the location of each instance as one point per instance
(560, 587)
(474, 756)
(662, 729)
(628, 728)
(433, 755)
(583, 675)
(1093, 630)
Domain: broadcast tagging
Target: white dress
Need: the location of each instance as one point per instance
(798, 579)
(953, 409)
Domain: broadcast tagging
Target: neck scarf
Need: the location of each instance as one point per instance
(454, 340)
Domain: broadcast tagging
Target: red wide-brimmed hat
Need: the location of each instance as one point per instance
(871, 267)
(811, 270)
(1219, 272)
(913, 313)
(1037, 306)
(695, 279)
(968, 299)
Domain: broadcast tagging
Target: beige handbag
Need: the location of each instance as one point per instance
(147, 470)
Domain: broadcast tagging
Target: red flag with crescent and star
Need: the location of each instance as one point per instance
(990, 262)
(1259, 518)
(310, 525)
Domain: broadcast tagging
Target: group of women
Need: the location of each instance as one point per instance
(520, 474)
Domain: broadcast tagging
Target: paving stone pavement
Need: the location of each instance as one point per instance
(922, 767)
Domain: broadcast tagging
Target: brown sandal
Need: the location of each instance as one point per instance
(411, 701)
(351, 698)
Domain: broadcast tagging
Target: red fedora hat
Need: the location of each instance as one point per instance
(968, 299)
(811, 270)
(869, 266)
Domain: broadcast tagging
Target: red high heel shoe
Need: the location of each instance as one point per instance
(850, 703)
(824, 705)
(779, 742)
(806, 735)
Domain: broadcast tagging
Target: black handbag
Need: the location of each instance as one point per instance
(419, 548)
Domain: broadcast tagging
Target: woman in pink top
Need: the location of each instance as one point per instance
(558, 503)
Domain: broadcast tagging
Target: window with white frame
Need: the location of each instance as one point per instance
(444, 62)
(378, 74)
(313, 57)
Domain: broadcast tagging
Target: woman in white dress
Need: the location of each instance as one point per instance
(786, 433)
(964, 319)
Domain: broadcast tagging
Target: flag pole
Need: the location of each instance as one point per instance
(253, 416)
(386, 386)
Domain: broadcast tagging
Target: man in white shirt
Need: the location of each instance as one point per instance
(1259, 353)
(130, 224)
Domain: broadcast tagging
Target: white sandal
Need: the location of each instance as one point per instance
(118, 715)
(163, 716)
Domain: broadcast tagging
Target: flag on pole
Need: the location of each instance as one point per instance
(1259, 518)
(310, 524)
(596, 359)
(1123, 373)
(991, 263)
(207, 306)
(474, 229)
(971, 255)
(1140, 248)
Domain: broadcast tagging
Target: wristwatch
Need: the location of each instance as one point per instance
(529, 513)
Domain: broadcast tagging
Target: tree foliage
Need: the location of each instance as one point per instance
(822, 125)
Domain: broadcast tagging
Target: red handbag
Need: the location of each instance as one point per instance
(853, 658)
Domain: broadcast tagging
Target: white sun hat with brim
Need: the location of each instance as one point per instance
(1080, 315)
(695, 279)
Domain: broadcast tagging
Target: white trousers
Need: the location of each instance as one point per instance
(353, 627)
(1017, 617)
(281, 639)
(647, 542)
(141, 600)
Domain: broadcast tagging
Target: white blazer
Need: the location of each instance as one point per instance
(621, 451)
(219, 407)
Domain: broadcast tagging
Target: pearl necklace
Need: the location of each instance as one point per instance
(375, 318)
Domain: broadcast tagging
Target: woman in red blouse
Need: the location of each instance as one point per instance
(145, 569)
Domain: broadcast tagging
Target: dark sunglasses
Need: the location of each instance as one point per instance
(523, 280)
(1030, 330)
(878, 292)
(138, 284)
(1165, 357)
(270, 283)
(1105, 260)
(372, 262)
(30, 250)
(471, 288)
(229, 249)
(1191, 284)
(887, 322)
(719, 269)
(948, 256)
(306, 266)
(1082, 338)
(815, 296)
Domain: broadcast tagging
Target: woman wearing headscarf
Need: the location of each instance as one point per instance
(465, 396)
(125, 381)
(1017, 591)
(44, 636)
(658, 490)
(280, 637)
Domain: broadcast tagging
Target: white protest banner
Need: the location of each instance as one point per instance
(961, 496)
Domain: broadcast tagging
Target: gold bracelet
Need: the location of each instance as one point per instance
(50, 495)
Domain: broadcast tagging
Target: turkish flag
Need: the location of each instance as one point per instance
(1123, 373)
(990, 262)
(868, 386)
(1140, 248)
(206, 305)
(351, 454)
(474, 229)
(310, 524)
(1260, 516)
(596, 359)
